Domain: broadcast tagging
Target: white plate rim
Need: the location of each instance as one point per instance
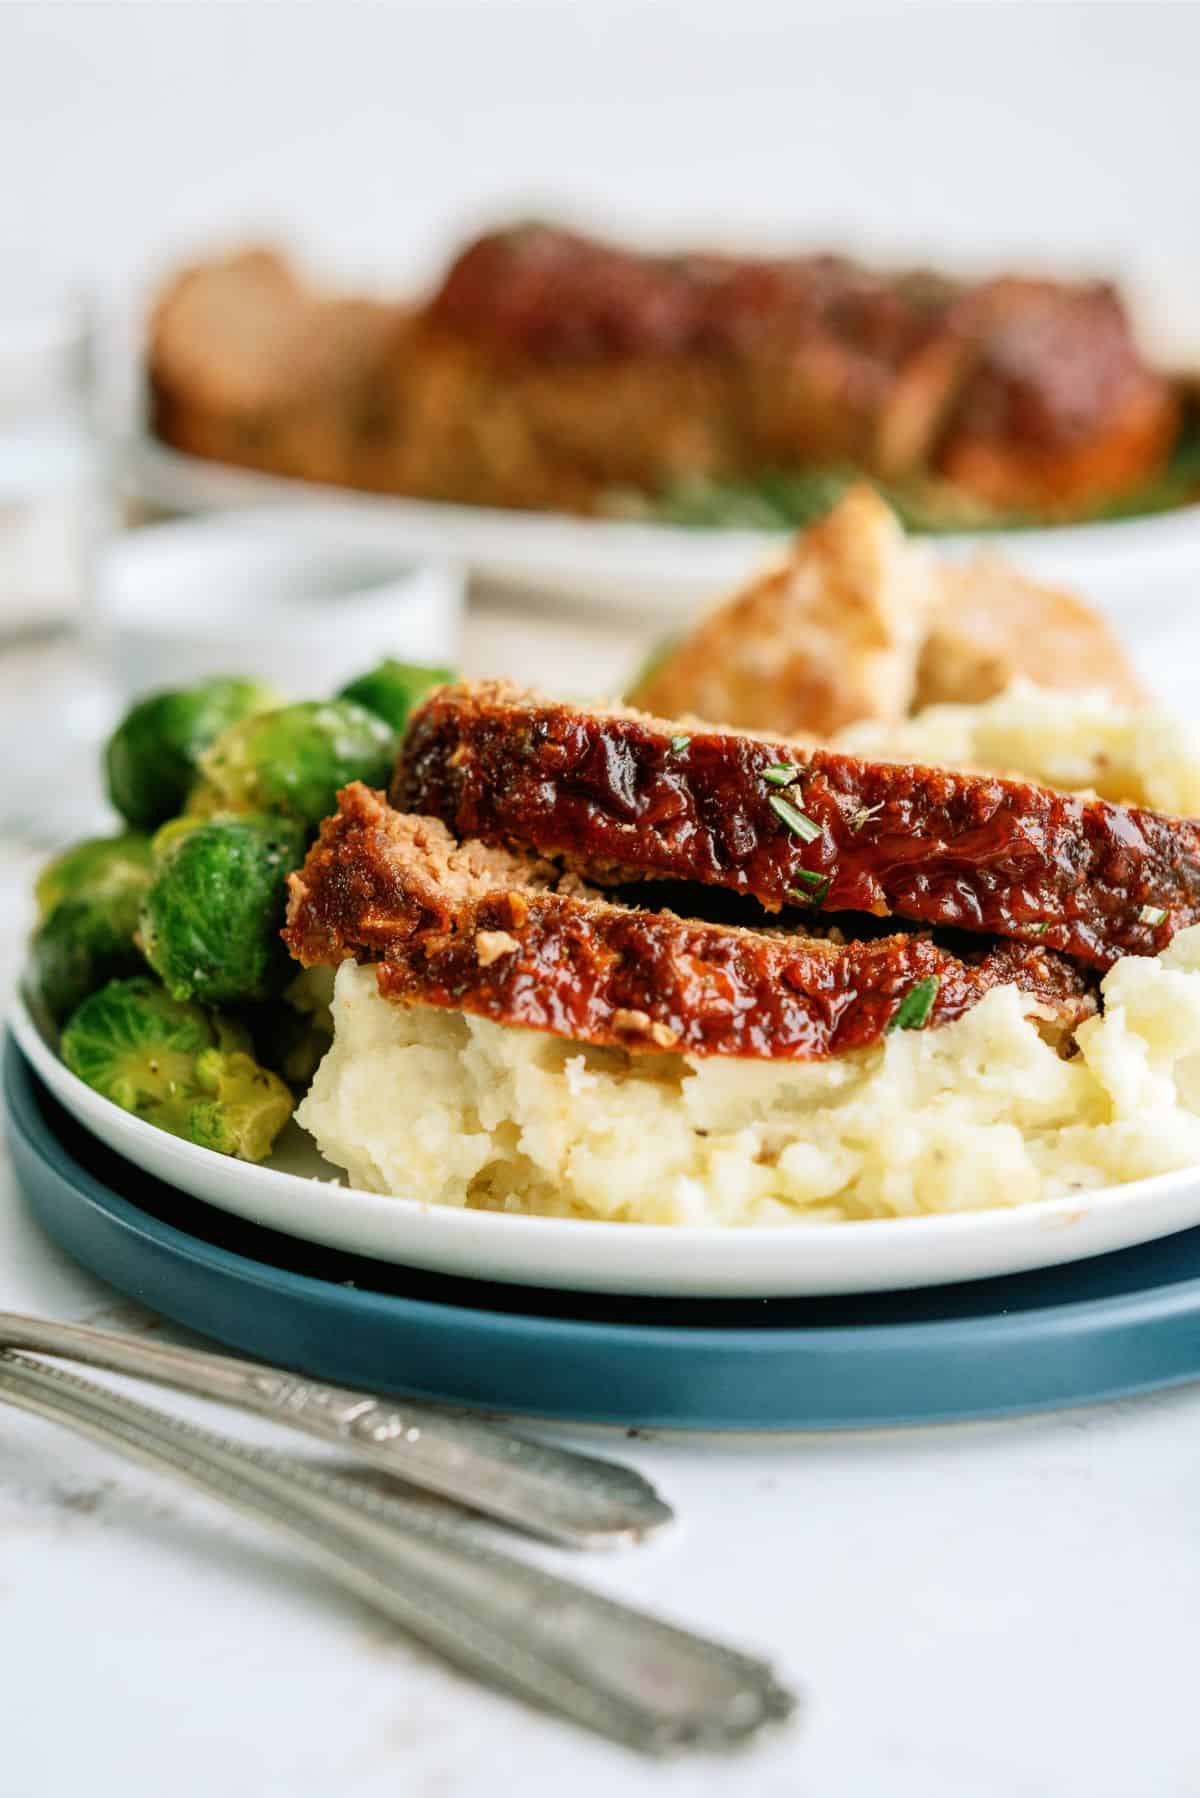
(659, 1260)
(591, 561)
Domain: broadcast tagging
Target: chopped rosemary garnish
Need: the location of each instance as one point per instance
(786, 812)
(780, 774)
(1152, 914)
(819, 884)
(864, 814)
(916, 1005)
(679, 744)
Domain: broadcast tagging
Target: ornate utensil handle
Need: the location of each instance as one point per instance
(627, 1675)
(576, 1499)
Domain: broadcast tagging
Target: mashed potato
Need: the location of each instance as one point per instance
(1076, 741)
(460, 1111)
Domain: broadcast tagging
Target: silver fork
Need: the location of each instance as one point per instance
(579, 1500)
(630, 1676)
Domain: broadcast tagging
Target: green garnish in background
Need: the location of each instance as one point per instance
(783, 500)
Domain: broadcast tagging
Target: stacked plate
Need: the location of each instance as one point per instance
(805, 1326)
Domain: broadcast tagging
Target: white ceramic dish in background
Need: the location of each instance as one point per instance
(285, 594)
(656, 568)
(296, 1193)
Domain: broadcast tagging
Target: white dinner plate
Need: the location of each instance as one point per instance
(299, 1194)
(667, 569)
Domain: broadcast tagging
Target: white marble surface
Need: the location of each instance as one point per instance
(985, 1611)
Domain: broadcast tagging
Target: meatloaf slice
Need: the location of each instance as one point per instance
(251, 365)
(622, 796)
(505, 936)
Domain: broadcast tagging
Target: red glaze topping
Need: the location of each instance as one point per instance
(450, 926)
(608, 794)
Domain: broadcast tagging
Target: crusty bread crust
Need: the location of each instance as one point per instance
(827, 636)
(991, 625)
(856, 622)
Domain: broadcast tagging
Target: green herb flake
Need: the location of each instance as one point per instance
(916, 1005)
(1152, 914)
(796, 821)
(819, 884)
(1040, 929)
(780, 774)
(864, 814)
(679, 744)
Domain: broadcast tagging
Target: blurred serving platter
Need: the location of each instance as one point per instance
(594, 562)
(613, 423)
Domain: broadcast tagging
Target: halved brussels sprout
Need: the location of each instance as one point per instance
(293, 760)
(152, 756)
(394, 689)
(182, 1068)
(211, 918)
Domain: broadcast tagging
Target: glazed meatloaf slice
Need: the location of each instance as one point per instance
(505, 936)
(251, 365)
(619, 796)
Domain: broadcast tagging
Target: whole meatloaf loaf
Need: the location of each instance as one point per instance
(580, 362)
(552, 371)
(618, 795)
(509, 937)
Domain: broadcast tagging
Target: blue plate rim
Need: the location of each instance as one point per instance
(1072, 1315)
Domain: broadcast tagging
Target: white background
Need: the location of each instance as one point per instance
(367, 135)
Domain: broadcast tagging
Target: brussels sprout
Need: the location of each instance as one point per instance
(211, 918)
(243, 1109)
(178, 1066)
(150, 762)
(89, 898)
(83, 943)
(294, 760)
(394, 689)
(170, 833)
(92, 869)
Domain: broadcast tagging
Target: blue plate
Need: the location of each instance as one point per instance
(1118, 1324)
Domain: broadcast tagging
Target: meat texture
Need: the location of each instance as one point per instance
(619, 795)
(253, 366)
(548, 370)
(508, 937)
(1023, 393)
